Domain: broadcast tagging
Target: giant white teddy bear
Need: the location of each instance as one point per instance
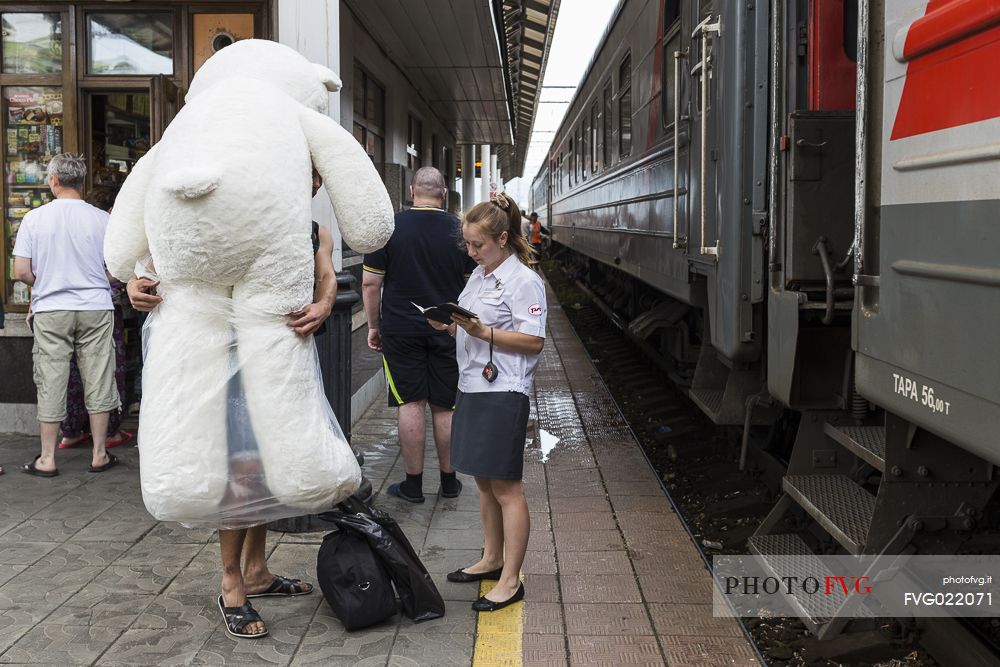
(222, 205)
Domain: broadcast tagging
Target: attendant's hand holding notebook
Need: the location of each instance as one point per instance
(442, 313)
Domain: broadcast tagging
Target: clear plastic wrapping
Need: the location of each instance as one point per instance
(235, 429)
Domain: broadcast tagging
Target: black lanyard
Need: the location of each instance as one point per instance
(490, 371)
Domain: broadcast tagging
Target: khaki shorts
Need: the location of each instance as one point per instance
(58, 334)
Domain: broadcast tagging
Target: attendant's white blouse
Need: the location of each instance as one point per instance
(511, 298)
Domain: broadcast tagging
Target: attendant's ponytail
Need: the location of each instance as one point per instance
(500, 215)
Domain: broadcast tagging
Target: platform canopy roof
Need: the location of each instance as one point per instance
(478, 63)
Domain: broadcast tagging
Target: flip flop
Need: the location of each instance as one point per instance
(283, 587)
(112, 462)
(30, 469)
(125, 436)
(396, 490)
(70, 445)
(238, 618)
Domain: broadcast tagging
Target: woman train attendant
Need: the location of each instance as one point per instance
(497, 355)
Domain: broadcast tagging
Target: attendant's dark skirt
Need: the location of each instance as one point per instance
(487, 434)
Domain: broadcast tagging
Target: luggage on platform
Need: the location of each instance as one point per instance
(354, 581)
(418, 595)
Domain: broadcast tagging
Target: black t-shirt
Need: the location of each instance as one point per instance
(423, 263)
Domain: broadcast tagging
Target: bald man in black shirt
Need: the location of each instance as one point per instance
(423, 263)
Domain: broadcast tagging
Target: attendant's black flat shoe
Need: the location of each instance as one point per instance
(462, 577)
(484, 604)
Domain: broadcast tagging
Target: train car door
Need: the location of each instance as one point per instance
(926, 330)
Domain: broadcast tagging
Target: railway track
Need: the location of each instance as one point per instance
(698, 463)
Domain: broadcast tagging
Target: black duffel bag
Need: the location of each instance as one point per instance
(354, 581)
(418, 595)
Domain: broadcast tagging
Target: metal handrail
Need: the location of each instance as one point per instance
(678, 55)
(706, 27)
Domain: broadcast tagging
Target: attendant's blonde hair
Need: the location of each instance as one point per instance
(501, 215)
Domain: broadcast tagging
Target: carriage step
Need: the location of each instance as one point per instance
(837, 503)
(709, 400)
(866, 442)
(788, 556)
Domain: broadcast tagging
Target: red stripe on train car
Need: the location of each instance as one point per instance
(950, 52)
(947, 21)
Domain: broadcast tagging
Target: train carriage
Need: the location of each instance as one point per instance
(793, 205)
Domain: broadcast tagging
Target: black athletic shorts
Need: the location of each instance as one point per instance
(420, 368)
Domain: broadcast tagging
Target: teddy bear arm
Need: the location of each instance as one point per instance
(360, 201)
(125, 241)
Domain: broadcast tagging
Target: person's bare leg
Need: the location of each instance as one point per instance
(49, 435)
(441, 418)
(493, 546)
(233, 591)
(257, 577)
(411, 436)
(516, 528)
(99, 431)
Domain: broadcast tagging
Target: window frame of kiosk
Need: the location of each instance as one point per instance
(64, 81)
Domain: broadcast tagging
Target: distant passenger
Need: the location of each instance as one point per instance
(422, 264)
(535, 233)
(498, 353)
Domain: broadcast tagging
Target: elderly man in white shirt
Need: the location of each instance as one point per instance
(60, 252)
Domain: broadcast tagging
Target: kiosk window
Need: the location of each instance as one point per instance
(131, 43)
(32, 43)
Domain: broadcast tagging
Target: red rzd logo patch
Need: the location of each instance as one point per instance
(535, 309)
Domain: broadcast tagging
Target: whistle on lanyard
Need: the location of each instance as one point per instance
(490, 371)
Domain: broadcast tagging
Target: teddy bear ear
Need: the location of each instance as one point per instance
(328, 78)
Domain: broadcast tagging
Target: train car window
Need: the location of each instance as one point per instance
(606, 126)
(625, 107)
(594, 155)
(582, 147)
(572, 162)
(671, 44)
(671, 14)
(851, 30)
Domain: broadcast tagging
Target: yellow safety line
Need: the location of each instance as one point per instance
(388, 377)
(498, 634)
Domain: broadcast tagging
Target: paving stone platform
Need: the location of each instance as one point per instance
(87, 577)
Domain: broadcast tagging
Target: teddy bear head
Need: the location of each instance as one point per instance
(277, 64)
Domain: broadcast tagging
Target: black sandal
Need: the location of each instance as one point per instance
(284, 587)
(112, 462)
(238, 618)
(30, 469)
